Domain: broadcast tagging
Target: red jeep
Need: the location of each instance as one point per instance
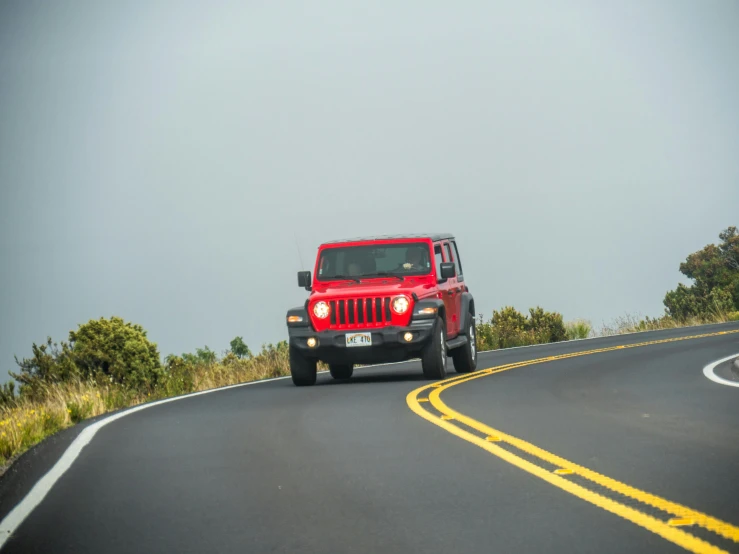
(383, 299)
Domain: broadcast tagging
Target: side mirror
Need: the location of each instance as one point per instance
(304, 279)
(447, 271)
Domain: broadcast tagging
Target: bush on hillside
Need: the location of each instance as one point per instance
(201, 356)
(720, 300)
(7, 394)
(486, 338)
(239, 348)
(118, 351)
(102, 350)
(714, 271)
(578, 329)
(51, 363)
(509, 327)
(547, 326)
(684, 302)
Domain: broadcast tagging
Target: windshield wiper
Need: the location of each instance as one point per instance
(383, 274)
(343, 278)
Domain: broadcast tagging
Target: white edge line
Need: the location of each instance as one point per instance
(708, 372)
(42, 487)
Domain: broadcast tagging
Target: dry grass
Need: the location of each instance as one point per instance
(631, 323)
(578, 329)
(29, 422)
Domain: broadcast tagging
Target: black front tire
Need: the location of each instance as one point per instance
(302, 369)
(341, 371)
(465, 357)
(434, 355)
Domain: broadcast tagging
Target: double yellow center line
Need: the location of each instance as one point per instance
(567, 475)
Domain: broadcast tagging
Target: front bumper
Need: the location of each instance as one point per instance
(388, 344)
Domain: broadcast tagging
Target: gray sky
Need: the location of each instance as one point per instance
(156, 158)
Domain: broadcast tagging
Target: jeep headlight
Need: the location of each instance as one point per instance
(320, 310)
(400, 304)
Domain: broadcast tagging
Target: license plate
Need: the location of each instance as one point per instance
(358, 339)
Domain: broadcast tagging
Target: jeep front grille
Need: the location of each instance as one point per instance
(360, 312)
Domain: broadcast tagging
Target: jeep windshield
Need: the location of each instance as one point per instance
(374, 261)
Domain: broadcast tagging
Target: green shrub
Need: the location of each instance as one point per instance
(105, 351)
(684, 302)
(509, 326)
(179, 376)
(202, 355)
(51, 363)
(546, 326)
(486, 338)
(276, 357)
(720, 300)
(578, 329)
(732, 316)
(116, 351)
(239, 348)
(714, 271)
(7, 395)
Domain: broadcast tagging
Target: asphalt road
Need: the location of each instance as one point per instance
(351, 467)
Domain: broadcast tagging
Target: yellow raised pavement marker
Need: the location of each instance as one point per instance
(680, 521)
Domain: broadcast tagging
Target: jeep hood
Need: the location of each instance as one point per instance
(385, 287)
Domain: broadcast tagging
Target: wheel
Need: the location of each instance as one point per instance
(433, 355)
(465, 357)
(341, 371)
(302, 369)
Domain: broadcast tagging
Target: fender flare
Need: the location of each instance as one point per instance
(468, 309)
(428, 303)
(301, 311)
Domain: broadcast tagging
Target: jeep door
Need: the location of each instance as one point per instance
(454, 292)
(445, 293)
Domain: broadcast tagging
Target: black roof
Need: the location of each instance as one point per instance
(432, 236)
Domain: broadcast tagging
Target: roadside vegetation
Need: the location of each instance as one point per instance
(713, 296)
(508, 327)
(109, 364)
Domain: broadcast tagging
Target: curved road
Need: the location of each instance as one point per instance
(616, 449)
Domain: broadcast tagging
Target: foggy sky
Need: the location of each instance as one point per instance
(158, 159)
